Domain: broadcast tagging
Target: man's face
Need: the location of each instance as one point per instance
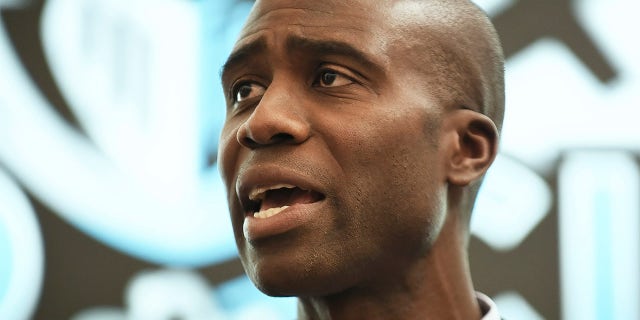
(329, 150)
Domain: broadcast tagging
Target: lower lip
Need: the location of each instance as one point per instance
(288, 219)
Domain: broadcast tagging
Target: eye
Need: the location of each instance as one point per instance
(329, 78)
(247, 90)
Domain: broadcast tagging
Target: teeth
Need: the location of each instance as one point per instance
(269, 212)
(258, 194)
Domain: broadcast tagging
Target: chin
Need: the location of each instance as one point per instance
(296, 281)
(284, 286)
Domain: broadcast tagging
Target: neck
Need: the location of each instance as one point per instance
(437, 286)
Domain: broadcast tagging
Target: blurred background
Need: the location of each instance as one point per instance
(111, 206)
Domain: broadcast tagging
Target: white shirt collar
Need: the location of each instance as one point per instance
(488, 307)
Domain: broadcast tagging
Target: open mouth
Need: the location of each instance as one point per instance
(268, 201)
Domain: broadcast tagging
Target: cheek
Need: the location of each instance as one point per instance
(409, 213)
(228, 149)
(395, 183)
(228, 154)
(402, 153)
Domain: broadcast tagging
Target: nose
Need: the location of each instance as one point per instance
(277, 119)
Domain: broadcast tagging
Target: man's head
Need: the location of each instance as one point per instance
(370, 122)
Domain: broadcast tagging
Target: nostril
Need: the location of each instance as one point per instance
(264, 129)
(281, 137)
(275, 139)
(250, 143)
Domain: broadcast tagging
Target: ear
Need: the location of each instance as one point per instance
(472, 144)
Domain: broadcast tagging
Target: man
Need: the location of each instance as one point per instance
(357, 135)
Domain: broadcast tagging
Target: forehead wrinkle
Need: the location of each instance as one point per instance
(322, 7)
(331, 47)
(328, 26)
(302, 16)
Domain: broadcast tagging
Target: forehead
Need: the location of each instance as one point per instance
(356, 22)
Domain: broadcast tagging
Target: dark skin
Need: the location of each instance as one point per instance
(372, 151)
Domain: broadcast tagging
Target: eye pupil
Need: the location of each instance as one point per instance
(328, 77)
(244, 91)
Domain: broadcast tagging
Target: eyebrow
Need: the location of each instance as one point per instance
(296, 43)
(241, 54)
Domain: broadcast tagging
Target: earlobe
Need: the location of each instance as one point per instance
(472, 146)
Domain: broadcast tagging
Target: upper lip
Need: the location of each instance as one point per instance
(259, 193)
(256, 180)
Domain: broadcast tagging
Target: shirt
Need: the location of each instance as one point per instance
(488, 307)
